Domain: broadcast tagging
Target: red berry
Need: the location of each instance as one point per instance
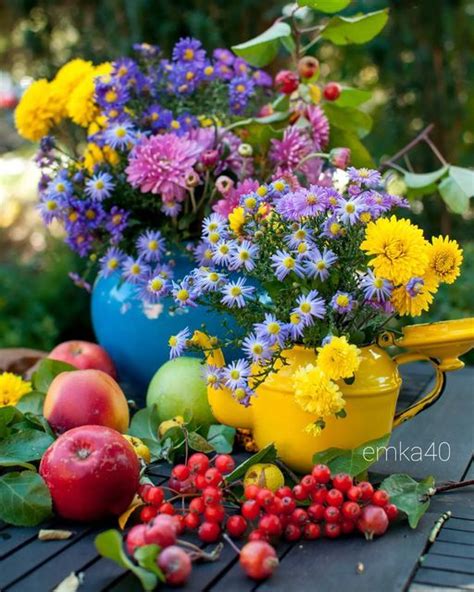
(373, 520)
(351, 510)
(334, 498)
(299, 517)
(198, 463)
(276, 507)
(161, 531)
(136, 538)
(155, 496)
(288, 504)
(209, 532)
(191, 521)
(224, 463)
(316, 512)
(257, 535)
(251, 491)
(342, 481)
(354, 493)
(175, 564)
(308, 67)
(270, 524)
(143, 489)
(236, 525)
(332, 530)
(308, 482)
(292, 532)
(367, 491)
(284, 491)
(180, 472)
(332, 515)
(286, 82)
(300, 493)
(318, 496)
(250, 509)
(321, 473)
(148, 513)
(178, 523)
(332, 91)
(258, 559)
(380, 498)
(392, 512)
(167, 508)
(199, 481)
(265, 497)
(196, 505)
(211, 496)
(214, 514)
(213, 477)
(312, 531)
(347, 526)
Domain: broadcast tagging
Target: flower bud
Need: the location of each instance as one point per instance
(266, 110)
(192, 179)
(209, 158)
(245, 150)
(340, 157)
(308, 67)
(286, 82)
(224, 184)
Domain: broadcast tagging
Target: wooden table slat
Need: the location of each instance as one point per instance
(452, 549)
(444, 578)
(461, 564)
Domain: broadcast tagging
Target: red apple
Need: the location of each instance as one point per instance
(92, 472)
(85, 397)
(84, 355)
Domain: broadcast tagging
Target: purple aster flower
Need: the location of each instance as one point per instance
(223, 71)
(151, 245)
(203, 253)
(117, 222)
(214, 376)
(303, 203)
(222, 253)
(302, 234)
(414, 286)
(232, 199)
(375, 288)
(367, 177)
(241, 89)
(241, 67)
(296, 326)
(284, 263)
(215, 223)
(111, 261)
(257, 348)
(333, 197)
(244, 256)
(236, 374)
(342, 302)
(93, 214)
(349, 210)
(224, 55)
(319, 125)
(110, 96)
(120, 135)
(60, 187)
(50, 207)
(133, 269)
(310, 306)
(234, 293)
(332, 228)
(319, 263)
(262, 78)
(291, 149)
(271, 329)
(147, 51)
(80, 282)
(189, 50)
(157, 118)
(80, 241)
(184, 78)
(209, 280)
(100, 186)
(47, 143)
(171, 208)
(183, 293)
(178, 342)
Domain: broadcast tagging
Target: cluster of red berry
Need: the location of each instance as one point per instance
(287, 81)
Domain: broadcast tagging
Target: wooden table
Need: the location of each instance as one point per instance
(401, 560)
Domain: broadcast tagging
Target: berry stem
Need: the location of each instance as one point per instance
(227, 538)
(453, 485)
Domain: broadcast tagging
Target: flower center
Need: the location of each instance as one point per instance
(208, 70)
(250, 202)
(295, 318)
(182, 295)
(153, 245)
(234, 374)
(244, 255)
(60, 187)
(214, 237)
(320, 265)
(334, 228)
(394, 250)
(443, 262)
(175, 124)
(235, 291)
(378, 283)
(99, 184)
(188, 54)
(257, 348)
(91, 215)
(288, 262)
(305, 307)
(156, 284)
(110, 96)
(135, 269)
(112, 263)
(342, 300)
(121, 132)
(213, 276)
(51, 205)
(173, 341)
(350, 208)
(117, 219)
(273, 328)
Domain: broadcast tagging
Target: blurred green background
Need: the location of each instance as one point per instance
(418, 69)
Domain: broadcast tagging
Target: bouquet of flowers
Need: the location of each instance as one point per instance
(320, 267)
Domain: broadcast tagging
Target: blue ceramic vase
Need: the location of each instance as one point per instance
(136, 334)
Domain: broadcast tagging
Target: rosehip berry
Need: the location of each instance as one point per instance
(347, 526)
(167, 508)
(308, 483)
(342, 481)
(318, 496)
(211, 496)
(334, 498)
(284, 491)
(288, 504)
(236, 525)
(209, 532)
(351, 510)
(312, 531)
(175, 565)
(276, 507)
(250, 509)
(321, 473)
(148, 513)
(332, 515)
(213, 477)
(392, 512)
(299, 517)
(300, 493)
(332, 530)
(308, 67)
(265, 497)
(224, 463)
(214, 514)
(258, 559)
(286, 82)
(332, 91)
(270, 524)
(373, 521)
(191, 521)
(196, 505)
(135, 538)
(198, 463)
(380, 498)
(251, 491)
(354, 493)
(367, 490)
(180, 472)
(316, 512)
(292, 532)
(257, 535)
(199, 481)
(155, 496)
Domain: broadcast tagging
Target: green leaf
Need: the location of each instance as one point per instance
(24, 499)
(145, 423)
(343, 30)
(265, 455)
(221, 437)
(38, 422)
(360, 156)
(109, 544)
(329, 6)
(464, 178)
(154, 447)
(146, 557)
(197, 442)
(410, 496)
(353, 461)
(352, 97)
(8, 416)
(32, 403)
(261, 50)
(416, 181)
(24, 446)
(46, 372)
(454, 195)
(348, 119)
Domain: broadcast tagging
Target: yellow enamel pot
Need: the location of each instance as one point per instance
(274, 416)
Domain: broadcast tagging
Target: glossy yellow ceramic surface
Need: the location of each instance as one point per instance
(370, 399)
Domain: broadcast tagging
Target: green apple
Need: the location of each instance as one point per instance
(177, 387)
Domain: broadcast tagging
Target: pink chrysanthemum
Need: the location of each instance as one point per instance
(320, 125)
(160, 164)
(225, 206)
(288, 152)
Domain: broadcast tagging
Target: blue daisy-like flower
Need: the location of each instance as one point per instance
(234, 293)
(375, 288)
(236, 374)
(151, 245)
(111, 261)
(99, 186)
(178, 342)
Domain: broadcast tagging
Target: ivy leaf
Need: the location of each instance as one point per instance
(265, 455)
(24, 446)
(261, 50)
(221, 437)
(464, 178)
(348, 119)
(354, 461)
(418, 181)
(329, 6)
(342, 30)
(360, 156)
(197, 442)
(146, 558)
(24, 499)
(32, 403)
(145, 423)
(109, 544)
(454, 195)
(47, 372)
(410, 496)
(352, 97)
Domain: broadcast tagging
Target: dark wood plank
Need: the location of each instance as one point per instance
(426, 588)
(461, 564)
(100, 574)
(456, 536)
(460, 524)
(444, 578)
(452, 549)
(12, 538)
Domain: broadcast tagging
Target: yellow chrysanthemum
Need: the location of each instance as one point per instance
(416, 296)
(237, 219)
(338, 358)
(81, 107)
(94, 154)
(444, 259)
(316, 393)
(37, 112)
(12, 389)
(67, 79)
(399, 247)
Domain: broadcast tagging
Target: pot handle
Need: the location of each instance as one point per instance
(428, 399)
